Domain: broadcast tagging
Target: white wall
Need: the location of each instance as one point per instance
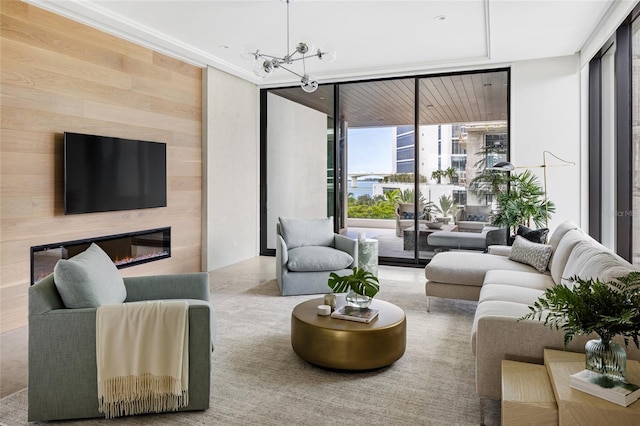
(545, 115)
(231, 156)
(296, 163)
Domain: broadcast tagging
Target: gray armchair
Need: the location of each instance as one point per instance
(307, 251)
(62, 345)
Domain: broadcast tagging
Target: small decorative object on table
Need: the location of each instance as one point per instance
(361, 285)
(599, 385)
(330, 299)
(593, 306)
(355, 314)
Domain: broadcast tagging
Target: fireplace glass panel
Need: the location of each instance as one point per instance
(125, 250)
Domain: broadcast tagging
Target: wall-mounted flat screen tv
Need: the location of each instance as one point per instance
(107, 174)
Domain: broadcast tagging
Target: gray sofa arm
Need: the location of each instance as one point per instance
(347, 245)
(178, 286)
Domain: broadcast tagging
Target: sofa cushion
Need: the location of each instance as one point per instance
(561, 253)
(590, 259)
(307, 232)
(496, 308)
(534, 254)
(89, 279)
(468, 268)
(509, 293)
(534, 280)
(317, 258)
(534, 235)
(559, 232)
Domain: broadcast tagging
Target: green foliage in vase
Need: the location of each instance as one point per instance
(592, 306)
(360, 281)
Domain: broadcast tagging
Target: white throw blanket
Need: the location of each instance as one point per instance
(142, 352)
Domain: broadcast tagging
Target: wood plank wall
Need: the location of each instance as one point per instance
(58, 75)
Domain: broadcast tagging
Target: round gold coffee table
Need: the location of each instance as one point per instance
(348, 345)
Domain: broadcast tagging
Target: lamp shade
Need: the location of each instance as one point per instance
(503, 166)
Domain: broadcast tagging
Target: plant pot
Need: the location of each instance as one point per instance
(606, 358)
(358, 300)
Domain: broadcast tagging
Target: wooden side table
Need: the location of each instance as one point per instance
(527, 396)
(580, 408)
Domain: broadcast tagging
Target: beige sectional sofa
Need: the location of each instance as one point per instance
(505, 289)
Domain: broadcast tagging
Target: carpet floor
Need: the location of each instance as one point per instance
(257, 379)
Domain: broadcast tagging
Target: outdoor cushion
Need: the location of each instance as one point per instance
(534, 254)
(317, 258)
(307, 232)
(89, 279)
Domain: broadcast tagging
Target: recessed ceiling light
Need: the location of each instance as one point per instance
(223, 46)
(440, 17)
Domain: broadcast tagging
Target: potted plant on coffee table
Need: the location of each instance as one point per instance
(361, 285)
(593, 306)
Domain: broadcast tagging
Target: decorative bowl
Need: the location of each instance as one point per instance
(434, 225)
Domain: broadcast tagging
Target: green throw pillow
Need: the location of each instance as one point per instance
(89, 279)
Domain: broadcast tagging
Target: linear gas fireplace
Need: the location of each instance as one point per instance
(125, 250)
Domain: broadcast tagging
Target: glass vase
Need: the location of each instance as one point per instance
(357, 300)
(607, 358)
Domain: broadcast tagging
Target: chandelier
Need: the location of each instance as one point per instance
(264, 64)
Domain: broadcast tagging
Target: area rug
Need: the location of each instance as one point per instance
(257, 379)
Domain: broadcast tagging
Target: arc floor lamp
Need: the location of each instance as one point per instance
(506, 166)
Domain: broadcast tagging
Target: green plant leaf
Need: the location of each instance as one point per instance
(360, 281)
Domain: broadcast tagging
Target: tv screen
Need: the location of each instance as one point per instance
(106, 174)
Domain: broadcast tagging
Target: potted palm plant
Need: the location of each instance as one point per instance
(446, 207)
(524, 203)
(593, 306)
(361, 285)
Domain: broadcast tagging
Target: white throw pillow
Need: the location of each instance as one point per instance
(89, 279)
(530, 253)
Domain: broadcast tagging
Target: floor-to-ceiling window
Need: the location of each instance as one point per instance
(399, 152)
(635, 134)
(614, 146)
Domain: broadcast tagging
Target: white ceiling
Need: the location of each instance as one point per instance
(371, 38)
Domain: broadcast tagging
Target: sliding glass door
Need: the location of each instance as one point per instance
(392, 154)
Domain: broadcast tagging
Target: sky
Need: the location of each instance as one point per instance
(370, 149)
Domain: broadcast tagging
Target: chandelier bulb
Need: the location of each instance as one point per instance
(302, 48)
(263, 68)
(308, 85)
(326, 55)
(249, 53)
